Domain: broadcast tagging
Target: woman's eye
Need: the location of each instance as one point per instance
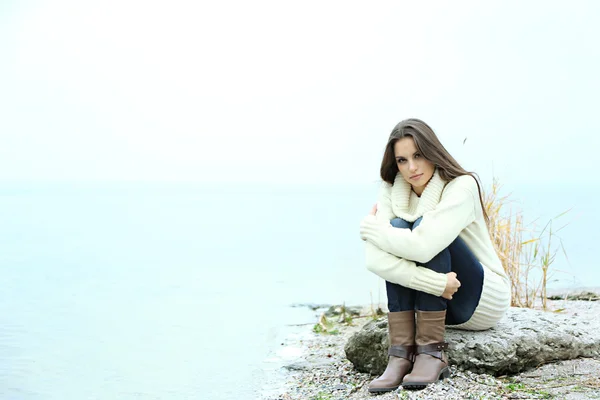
(400, 161)
(417, 155)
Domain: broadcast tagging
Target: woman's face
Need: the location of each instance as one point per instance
(415, 169)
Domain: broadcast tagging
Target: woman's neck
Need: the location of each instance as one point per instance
(419, 191)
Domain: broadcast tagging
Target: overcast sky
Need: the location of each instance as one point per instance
(306, 91)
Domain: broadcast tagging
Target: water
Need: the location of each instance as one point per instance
(148, 291)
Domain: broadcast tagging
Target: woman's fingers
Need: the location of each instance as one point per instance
(374, 210)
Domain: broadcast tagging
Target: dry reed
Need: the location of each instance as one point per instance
(526, 261)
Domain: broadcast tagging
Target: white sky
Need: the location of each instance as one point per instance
(305, 91)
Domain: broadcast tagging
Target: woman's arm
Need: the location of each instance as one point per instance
(384, 204)
(438, 228)
(404, 272)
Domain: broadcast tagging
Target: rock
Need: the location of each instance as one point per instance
(585, 296)
(337, 310)
(367, 348)
(569, 291)
(523, 339)
(312, 306)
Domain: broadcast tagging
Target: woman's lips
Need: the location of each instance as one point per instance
(416, 177)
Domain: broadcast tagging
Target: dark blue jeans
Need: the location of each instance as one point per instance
(458, 258)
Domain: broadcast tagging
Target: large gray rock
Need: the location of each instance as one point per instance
(524, 338)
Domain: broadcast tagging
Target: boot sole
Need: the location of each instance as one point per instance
(383, 390)
(444, 373)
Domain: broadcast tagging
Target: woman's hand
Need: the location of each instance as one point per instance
(373, 210)
(452, 285)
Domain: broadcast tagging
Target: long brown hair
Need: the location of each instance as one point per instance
(431, 148)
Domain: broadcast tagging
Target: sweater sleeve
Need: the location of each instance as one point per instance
(438, 228)
(384, 204)
(404, 272)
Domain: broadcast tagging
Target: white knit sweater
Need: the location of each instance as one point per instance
(449, 210)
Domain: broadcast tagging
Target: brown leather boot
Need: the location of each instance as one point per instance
(401, 327)
(431, 363)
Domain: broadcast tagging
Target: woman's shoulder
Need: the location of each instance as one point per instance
(463, 182)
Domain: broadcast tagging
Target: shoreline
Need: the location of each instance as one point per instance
(314, 366)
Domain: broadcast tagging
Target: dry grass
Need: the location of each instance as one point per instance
(526, 253)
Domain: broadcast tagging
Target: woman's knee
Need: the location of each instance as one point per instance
(417, 222)
(441, 262)
(400, 223)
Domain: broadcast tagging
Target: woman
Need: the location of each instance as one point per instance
(427, 237)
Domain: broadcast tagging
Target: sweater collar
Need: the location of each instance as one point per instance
(402, 191)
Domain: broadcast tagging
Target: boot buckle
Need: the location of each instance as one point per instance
(433, 349)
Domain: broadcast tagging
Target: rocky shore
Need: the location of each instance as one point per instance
(555, 354)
